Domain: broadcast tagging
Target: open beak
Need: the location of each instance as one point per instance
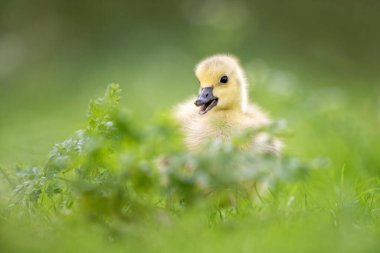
(206, 100)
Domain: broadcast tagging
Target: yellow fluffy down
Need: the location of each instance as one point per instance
(232, 115)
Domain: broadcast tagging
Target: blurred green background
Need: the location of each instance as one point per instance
(56, 55)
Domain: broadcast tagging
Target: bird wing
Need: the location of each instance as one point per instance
(257, 117)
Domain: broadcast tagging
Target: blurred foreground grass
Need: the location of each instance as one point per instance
(334, 209)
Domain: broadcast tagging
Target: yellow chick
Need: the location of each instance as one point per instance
(223, 107)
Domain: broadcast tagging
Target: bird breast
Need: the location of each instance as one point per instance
(216, 124)
(213, 126)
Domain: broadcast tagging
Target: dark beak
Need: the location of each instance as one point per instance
(206, 100)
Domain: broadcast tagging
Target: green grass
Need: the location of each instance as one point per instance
(101, 191)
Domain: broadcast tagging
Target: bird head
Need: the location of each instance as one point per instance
(223, 85)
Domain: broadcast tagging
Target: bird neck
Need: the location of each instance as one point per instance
(243, 101)
(243, 84)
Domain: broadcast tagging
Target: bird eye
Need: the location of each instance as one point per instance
(224, 79)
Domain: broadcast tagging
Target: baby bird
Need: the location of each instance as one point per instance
(223, 108)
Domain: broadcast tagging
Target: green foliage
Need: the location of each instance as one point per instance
(115, 169)
(135, 182)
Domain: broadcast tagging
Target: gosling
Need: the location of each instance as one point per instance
(223, 108)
